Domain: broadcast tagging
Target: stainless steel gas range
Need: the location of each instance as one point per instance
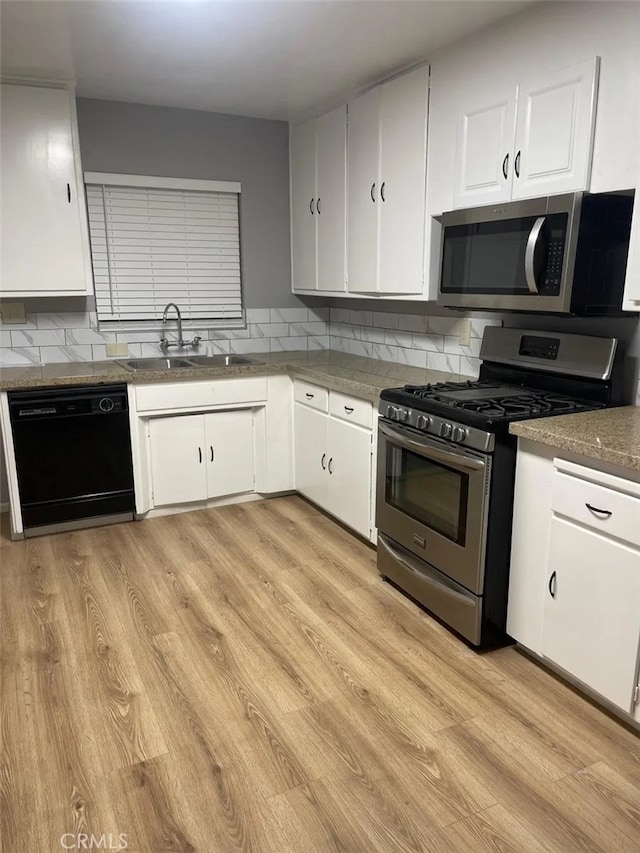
(446, 469)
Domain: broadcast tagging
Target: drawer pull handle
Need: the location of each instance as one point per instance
(552, 585)
(594, 509)
(324, 456)
(348, 409)
(329, 465)
(309, 396)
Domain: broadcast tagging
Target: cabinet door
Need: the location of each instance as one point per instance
(364, 192)
(403, 166)
(484, 149)
(178, 466)
(331, 204)
(554, 131)
(229, 452)
(349, 468)
(311, 453)
(303, 205)
(592, 610)
(43, 245)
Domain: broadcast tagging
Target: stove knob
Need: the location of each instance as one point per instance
(445, 430)
(459, 434)
(402, 415)
(391, 410)
(423, 422)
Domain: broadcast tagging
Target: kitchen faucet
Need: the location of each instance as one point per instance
(164, 342)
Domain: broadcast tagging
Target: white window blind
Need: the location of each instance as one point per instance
(152, 245)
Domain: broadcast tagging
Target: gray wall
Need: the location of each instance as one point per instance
(145, 140)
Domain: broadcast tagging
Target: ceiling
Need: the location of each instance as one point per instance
(270, 59)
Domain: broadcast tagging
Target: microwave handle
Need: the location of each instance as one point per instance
(530, 254)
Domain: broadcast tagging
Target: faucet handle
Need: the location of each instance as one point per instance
(196, 342)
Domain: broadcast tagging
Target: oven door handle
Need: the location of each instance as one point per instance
(530, 255)
(429, 448)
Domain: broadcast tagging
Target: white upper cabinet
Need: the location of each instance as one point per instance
(483, 149)
(387, 183)
(303, 201)
(45, 247)
(631, 300)
(364, 189)
(403, 174)
(331, 199)
(527, 140)
(554, 131)
(318, 202)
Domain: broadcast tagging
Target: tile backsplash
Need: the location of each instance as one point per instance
(74, 336)
(414, 339)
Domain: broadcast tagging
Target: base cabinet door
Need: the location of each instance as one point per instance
(178, 466)
(230, 452)
(592, 611)
(349, 467)
(311, 456)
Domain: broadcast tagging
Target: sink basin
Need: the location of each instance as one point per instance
(155, 363)
(221, 360)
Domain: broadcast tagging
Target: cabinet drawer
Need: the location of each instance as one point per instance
(311, 395)
(351, 409)
(195, 395)
(606, 510)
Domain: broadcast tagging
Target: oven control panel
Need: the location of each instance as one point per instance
(441, 429)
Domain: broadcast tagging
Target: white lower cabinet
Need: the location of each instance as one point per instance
(574, 586)
(197, 457)
(333, 464)
(591, 624)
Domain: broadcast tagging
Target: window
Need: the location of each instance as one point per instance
(159, 240)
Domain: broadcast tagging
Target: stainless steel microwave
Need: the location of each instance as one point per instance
(563, 254)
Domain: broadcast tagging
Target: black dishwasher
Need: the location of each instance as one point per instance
(73, 456)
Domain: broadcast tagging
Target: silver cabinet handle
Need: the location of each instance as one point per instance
(530, 254)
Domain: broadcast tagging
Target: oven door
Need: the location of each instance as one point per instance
(432, 498)
(517, 257)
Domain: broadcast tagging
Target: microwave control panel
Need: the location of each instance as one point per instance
(552, 274)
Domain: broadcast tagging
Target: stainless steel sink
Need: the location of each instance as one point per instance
(221, 360)
(155, 363)
(187, 361)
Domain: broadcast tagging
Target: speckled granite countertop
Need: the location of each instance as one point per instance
(611, 435)
(351, 374)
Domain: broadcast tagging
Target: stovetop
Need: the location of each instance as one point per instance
(486, 404)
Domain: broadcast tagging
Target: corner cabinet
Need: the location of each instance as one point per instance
(387, 187)
(44, 226)
(527, 139)
(333, 442)
(318, 202)
(574, 588)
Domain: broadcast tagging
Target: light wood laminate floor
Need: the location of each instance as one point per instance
(241, 679)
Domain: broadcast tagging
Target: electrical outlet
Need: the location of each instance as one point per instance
(13, 312)
(464, 333)
(117, 349)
